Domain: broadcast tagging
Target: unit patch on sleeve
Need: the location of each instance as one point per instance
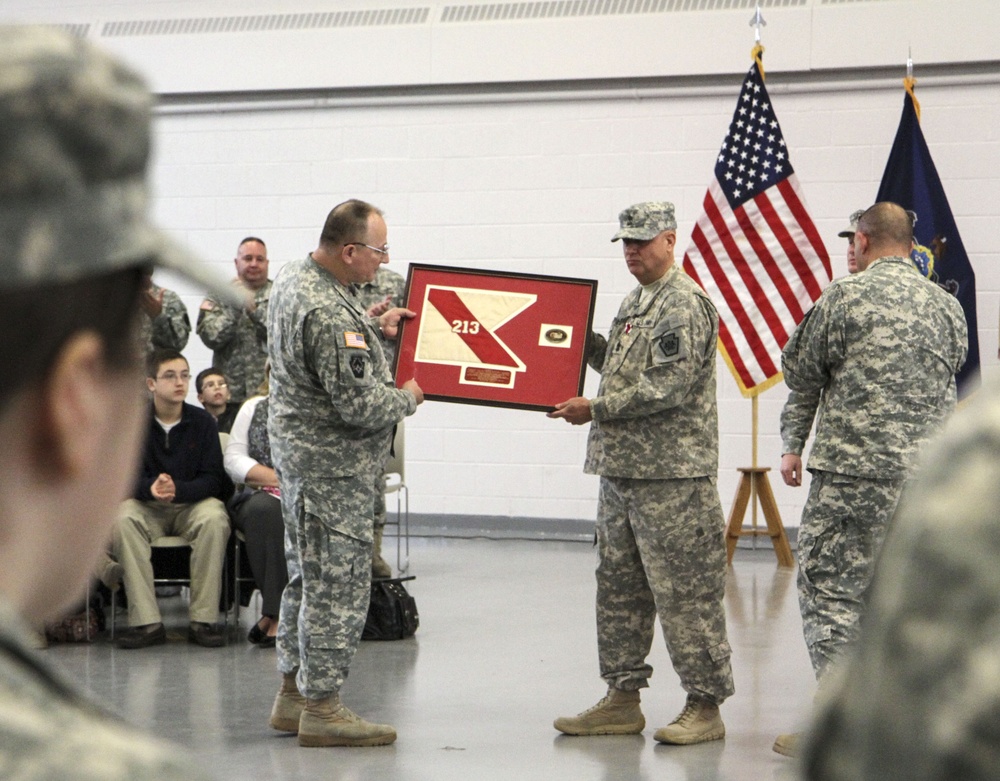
(667, 341)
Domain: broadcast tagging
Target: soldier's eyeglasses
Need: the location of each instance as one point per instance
(383, 250)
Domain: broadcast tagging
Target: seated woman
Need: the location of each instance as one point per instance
(257, 511)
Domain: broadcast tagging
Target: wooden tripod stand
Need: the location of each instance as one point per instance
(753, 488)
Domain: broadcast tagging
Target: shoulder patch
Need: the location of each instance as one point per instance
(354, 339)
(207, 305)
(670, 344)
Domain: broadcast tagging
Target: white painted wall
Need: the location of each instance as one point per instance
(487, 179)
(537, 187)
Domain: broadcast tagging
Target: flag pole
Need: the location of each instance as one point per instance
(754, 487)
(757, 55)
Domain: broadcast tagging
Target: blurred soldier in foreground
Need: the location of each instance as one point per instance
(74, 262)
(919, 698)
(882, 348)
(654, 440)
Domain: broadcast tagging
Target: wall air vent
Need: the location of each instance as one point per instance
(558, 9)
(79, 30)
(268, 22)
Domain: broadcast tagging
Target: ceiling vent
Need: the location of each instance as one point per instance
(560, 9)
(268, 22)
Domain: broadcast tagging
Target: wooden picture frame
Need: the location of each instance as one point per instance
(494, 337)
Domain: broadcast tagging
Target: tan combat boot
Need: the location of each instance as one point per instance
(288, 706)
(380, 567)
(699, 722)
(787, 744)
(617, 714)
(328, 722)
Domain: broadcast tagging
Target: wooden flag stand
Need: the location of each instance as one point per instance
(753, 488)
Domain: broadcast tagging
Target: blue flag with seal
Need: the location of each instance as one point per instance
(911, 180)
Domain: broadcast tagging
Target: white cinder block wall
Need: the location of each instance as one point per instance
(536, 187)
(477, 177)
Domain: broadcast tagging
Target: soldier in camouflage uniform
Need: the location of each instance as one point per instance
(801, 407)
(918, 699)
(378, 296)
(654, 441)
(238, 334)
(164, 323)
(332, 408)
(882, 347)
(76, 129)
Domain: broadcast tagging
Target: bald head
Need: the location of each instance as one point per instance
(884, 229)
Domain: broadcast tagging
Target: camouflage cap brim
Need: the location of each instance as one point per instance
(73, 196)
(101, 229)
(637, 234)
(645, 221)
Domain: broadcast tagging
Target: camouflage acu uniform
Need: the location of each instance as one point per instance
(919, 697)
(386, 283)
(48, 730)
(654, 441)
(333, 406)
(882, 348)
(239, 341)
(171, 328)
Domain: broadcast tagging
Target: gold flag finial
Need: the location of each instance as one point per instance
(909, 83)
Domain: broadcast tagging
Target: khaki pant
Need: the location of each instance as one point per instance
(204, 524)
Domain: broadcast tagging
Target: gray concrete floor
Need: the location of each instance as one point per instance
(506, 643)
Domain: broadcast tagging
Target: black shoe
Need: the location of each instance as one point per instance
(256, 635)
(143, 636)
(206, 635)
(260, 637)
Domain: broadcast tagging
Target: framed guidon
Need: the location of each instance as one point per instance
(495, 337)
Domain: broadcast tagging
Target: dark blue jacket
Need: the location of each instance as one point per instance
(191, 455)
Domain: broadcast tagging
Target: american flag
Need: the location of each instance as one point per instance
(755, 249)
(352, 339)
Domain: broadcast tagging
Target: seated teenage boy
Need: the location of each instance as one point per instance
(181, 490)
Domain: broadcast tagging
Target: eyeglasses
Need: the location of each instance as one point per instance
(210, 385)
(174, 376)
(383, 250)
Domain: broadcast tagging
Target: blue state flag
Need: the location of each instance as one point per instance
(911, 180)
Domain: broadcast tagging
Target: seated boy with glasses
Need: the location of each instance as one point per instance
(181, 490)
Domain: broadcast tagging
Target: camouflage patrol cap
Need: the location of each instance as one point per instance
(851, 229)
(645, 221)
(74, 146)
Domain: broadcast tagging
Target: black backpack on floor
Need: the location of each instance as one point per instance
(392, 612)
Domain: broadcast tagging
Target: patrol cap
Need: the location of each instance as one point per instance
(645, 221)
(74, 147)
(849, 231)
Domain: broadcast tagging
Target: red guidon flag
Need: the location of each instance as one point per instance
(755, 249)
